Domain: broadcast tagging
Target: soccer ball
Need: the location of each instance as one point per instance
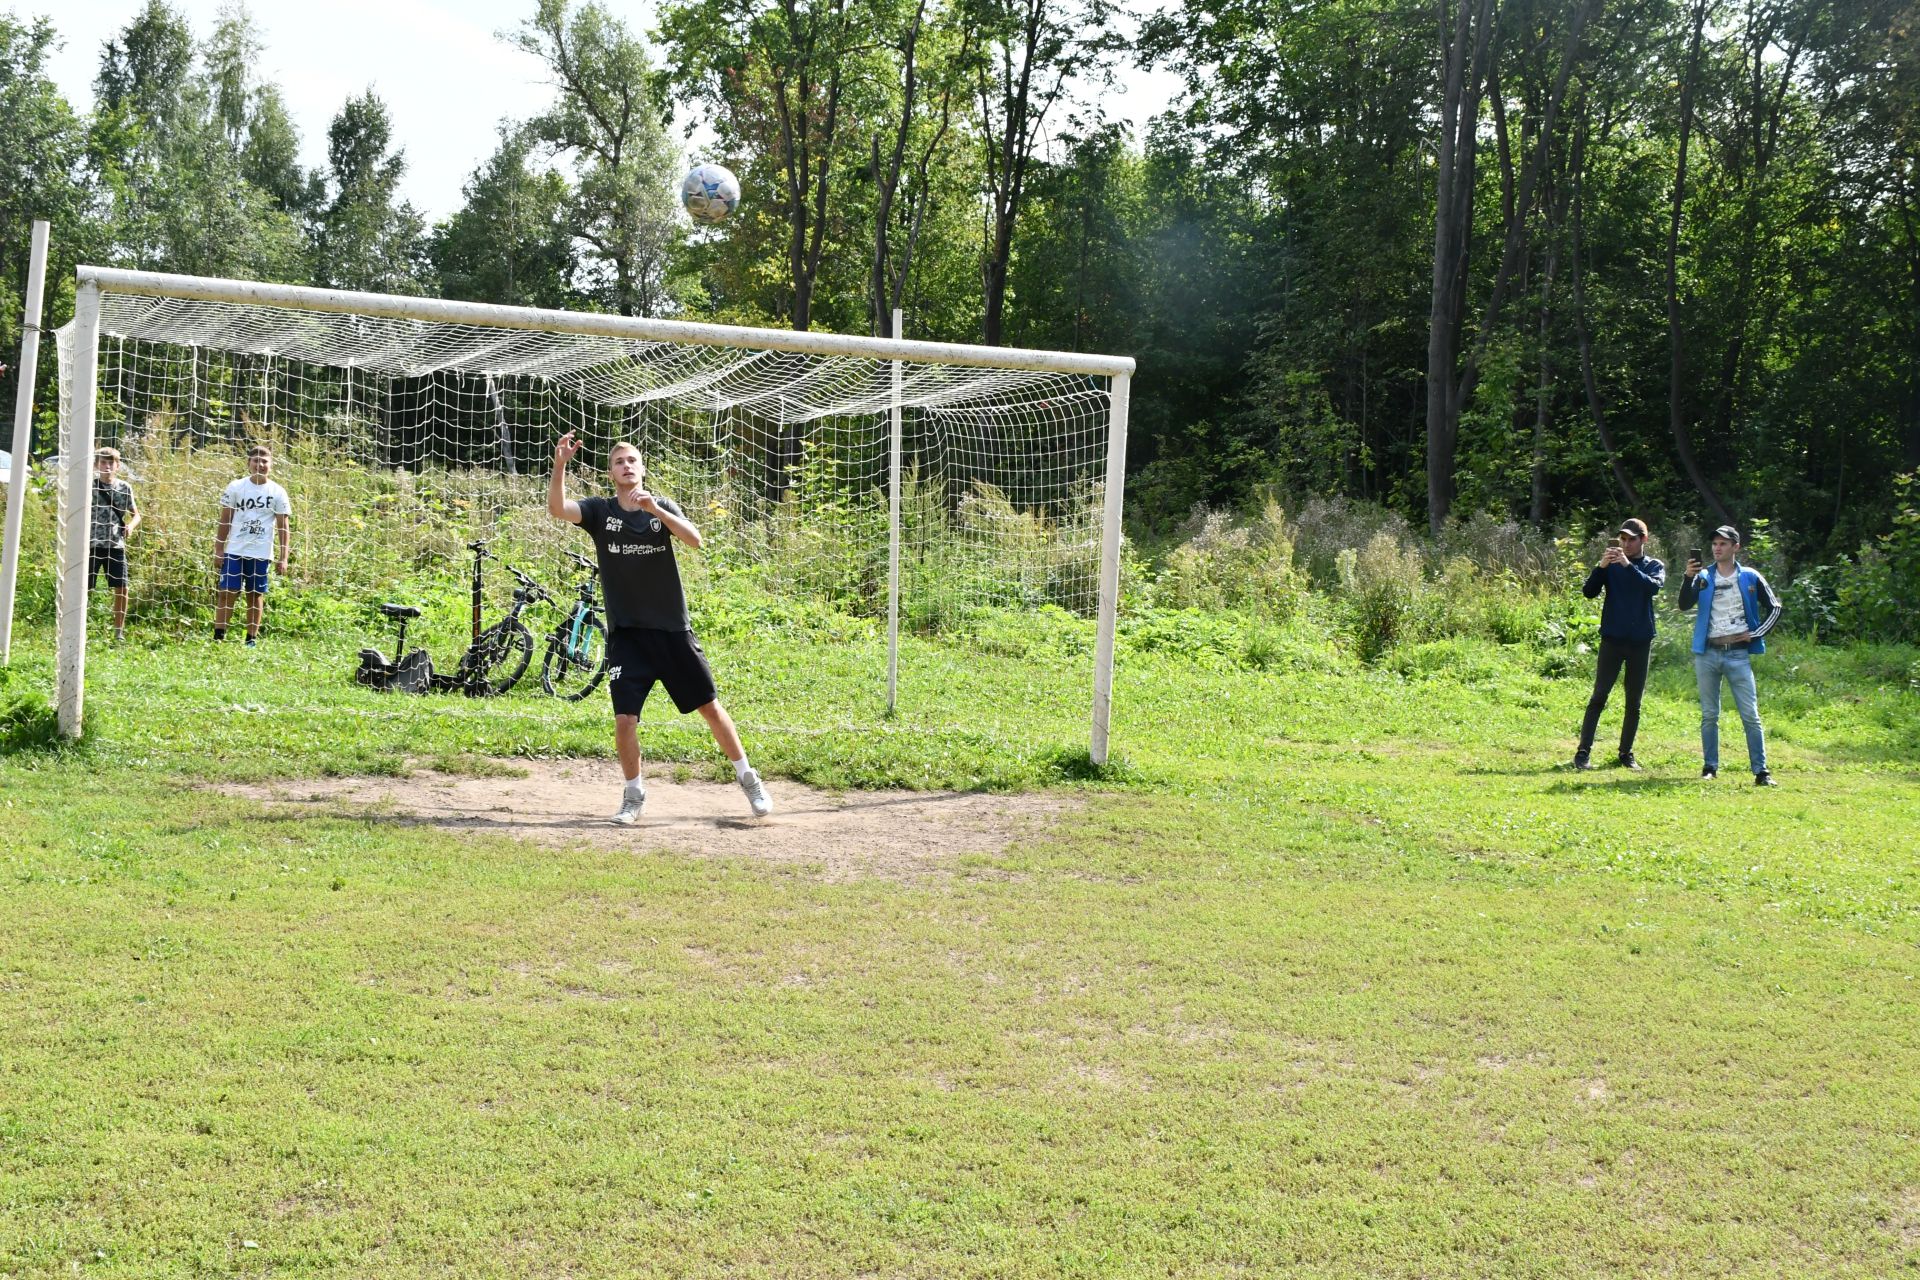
(710, 193)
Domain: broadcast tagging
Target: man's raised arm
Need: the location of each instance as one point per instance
(559, 506)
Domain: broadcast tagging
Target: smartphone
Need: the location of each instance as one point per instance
(1614, 542)
(1693, 554)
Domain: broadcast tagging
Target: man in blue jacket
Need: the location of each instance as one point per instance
(1631, 580)
(1736, 610)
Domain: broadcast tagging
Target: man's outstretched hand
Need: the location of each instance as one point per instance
(564, 451)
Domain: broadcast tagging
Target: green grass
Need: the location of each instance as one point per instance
(1335, 974)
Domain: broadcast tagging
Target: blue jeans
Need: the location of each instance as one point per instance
(1737, 667)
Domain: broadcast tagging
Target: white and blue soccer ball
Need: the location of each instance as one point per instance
(710, 193)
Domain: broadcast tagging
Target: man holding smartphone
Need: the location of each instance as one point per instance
(1631, 580)
(1736, 609)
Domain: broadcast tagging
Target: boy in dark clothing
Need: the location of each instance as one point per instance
(651, 639)
(1631, 580)
(115, 516)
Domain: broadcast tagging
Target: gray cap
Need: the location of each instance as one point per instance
(1728, 532)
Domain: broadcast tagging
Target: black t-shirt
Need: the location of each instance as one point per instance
(638, 575)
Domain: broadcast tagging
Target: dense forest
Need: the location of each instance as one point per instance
(1505, 256)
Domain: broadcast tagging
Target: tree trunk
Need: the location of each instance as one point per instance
(1543, 387)
(1452, 235)
(1676, 410)
(1910, 425)
(1581, 334)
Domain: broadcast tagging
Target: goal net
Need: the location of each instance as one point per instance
(913, 495)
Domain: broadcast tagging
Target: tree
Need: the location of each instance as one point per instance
(143, 71)
(1470, 56)
(513, 240)
(42, 144)
(165, 146)
(784, 76)
(363, 239)
(609, 121)
(1028, 52)
(902, 166)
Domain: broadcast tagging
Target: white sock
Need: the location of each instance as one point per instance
(740, 769)
(635, 786)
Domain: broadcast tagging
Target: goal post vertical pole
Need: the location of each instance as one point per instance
(893, 532)
(1109, 565)
(70, 681)
(22, 435)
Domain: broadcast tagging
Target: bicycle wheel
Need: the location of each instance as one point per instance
(499, 658)
(572, 671)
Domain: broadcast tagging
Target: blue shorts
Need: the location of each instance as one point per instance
(244, 575)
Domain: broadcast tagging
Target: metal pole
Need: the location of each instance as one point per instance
(1109, 566)
(893, 535)
(77, 457)
(22, 435)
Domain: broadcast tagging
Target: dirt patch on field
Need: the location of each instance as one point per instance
(565, 804)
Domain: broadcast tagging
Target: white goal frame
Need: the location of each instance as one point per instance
(94, 282)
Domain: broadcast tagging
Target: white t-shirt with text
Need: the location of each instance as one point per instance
(254, 506)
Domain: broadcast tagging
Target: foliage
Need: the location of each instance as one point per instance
(1879, 597)
(362, 238)
(1223, 564)
(608, 121)
(27, 721)
(513, 241)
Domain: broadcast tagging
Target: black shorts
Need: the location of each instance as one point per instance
(636, 657)
(109, 560)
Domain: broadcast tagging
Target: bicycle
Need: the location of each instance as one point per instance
(576, 656)
(494, 661)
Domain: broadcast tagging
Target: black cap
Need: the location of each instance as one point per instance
(1634, 526)
(1728, 532)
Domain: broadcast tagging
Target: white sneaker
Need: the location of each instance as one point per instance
(631, 803)
(756, 793)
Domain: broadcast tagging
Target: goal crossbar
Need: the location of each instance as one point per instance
(589, 324)
(613, 360)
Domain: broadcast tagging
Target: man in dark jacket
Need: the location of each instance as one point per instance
(1631, 580)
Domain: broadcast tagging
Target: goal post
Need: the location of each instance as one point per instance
(965, 481)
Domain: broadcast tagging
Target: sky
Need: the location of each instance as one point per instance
(446, 77)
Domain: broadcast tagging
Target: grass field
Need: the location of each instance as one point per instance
(1336, 973)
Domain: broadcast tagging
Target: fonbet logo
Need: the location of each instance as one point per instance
(615, 525)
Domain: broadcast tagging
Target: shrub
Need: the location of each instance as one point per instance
(1323, 528)
(1385, 591)
(1503, 549)
(1880, 598)
(1223, 564)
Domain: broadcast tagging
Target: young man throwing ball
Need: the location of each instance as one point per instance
(650, 637)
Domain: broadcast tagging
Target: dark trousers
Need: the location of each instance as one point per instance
(1616, 656)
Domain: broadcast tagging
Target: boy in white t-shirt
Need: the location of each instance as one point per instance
(254, 512)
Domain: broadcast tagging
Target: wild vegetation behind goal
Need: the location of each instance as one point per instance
(935, 489)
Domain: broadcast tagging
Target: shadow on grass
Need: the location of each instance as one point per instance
(1076, 765)
(29, 726)
(1637, 782)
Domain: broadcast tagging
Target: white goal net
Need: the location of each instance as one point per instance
(936, 492)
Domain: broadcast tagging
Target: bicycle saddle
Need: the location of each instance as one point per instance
(400, 610)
